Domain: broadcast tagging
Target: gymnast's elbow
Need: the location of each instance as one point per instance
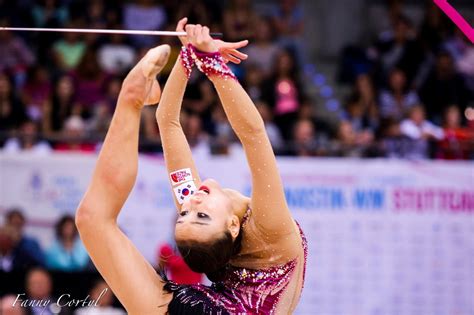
(87, 218)
(166, 121)
(83, 217)
(252, 130)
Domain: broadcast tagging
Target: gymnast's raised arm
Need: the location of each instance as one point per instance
(127, 272)
(177, 153)
(268, 203)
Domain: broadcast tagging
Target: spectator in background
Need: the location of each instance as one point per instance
(393, 144)
(200, 101)
(203, 99)
(15, 218)
(116, 56)
(465, 62)
(262, 51)
(171, 263)
(101, 293)
(195, 136)
(397, 100)
(272, 130)
(283, 92)
(60, 106)
(69, 50)
(349, 143)
(443, 87)
(27, 139)
(382, 25)
(362, 124)
(67, 252)
(10, 306)
(74, 136)
(253, 81)
(288, 19)
(434, 27)
(399, 50)
(421, 132)
(12, 111)
(46, 13)
(39, 287)
(12, 256)
(239, 21)
(175, 49)
(198, 12)
(99, 123)
(96, 14)
(366, 96)
(150, 141)
(112, 91)
(36, 91)
(304, 142)
(144, 15)
(456, 44)
(15, 55)
(324, 126)
(222, 133)
(90, 82)
(7, 246)
(458, 141)
(49, 13)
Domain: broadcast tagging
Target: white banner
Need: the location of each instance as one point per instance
(385, 236)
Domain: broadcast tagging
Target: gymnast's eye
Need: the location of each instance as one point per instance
(183, 213)
(202, 215)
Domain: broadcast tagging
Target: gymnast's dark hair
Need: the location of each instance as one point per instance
(212, 257)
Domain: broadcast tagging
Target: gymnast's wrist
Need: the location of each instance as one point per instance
(210, 63)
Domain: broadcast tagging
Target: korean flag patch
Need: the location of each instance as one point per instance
(184, 191)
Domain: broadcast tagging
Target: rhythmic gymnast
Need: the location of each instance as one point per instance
(250, 248)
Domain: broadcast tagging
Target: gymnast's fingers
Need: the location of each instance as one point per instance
(181, 24)
(238, 54)
(232, 58)
(236, 45)
(198, 34)
(180, 28)
(205, 33)
(190, 28)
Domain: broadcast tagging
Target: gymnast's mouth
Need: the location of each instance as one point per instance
(204, 189)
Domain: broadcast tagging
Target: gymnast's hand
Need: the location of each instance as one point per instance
(199, 37)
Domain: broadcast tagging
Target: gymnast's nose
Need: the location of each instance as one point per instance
(195, 199)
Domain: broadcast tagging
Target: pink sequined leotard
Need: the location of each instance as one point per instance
(243, 290)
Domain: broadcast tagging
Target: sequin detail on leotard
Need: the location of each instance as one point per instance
(186, 60)
(211, 63)
(243, 290)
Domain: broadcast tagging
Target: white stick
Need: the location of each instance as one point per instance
(96, 31)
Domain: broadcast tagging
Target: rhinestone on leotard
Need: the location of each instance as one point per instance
(186, 60)
(211, 63)
(243, 290)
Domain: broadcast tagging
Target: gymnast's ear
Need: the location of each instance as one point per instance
(234, 226)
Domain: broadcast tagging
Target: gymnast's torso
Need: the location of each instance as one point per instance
(261, 279)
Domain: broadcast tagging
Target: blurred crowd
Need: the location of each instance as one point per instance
(411, 87)
(41, 273)
(22, 254)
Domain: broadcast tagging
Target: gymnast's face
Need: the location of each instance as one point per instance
(206, 214)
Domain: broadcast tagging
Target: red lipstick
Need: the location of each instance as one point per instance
(204, 188)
